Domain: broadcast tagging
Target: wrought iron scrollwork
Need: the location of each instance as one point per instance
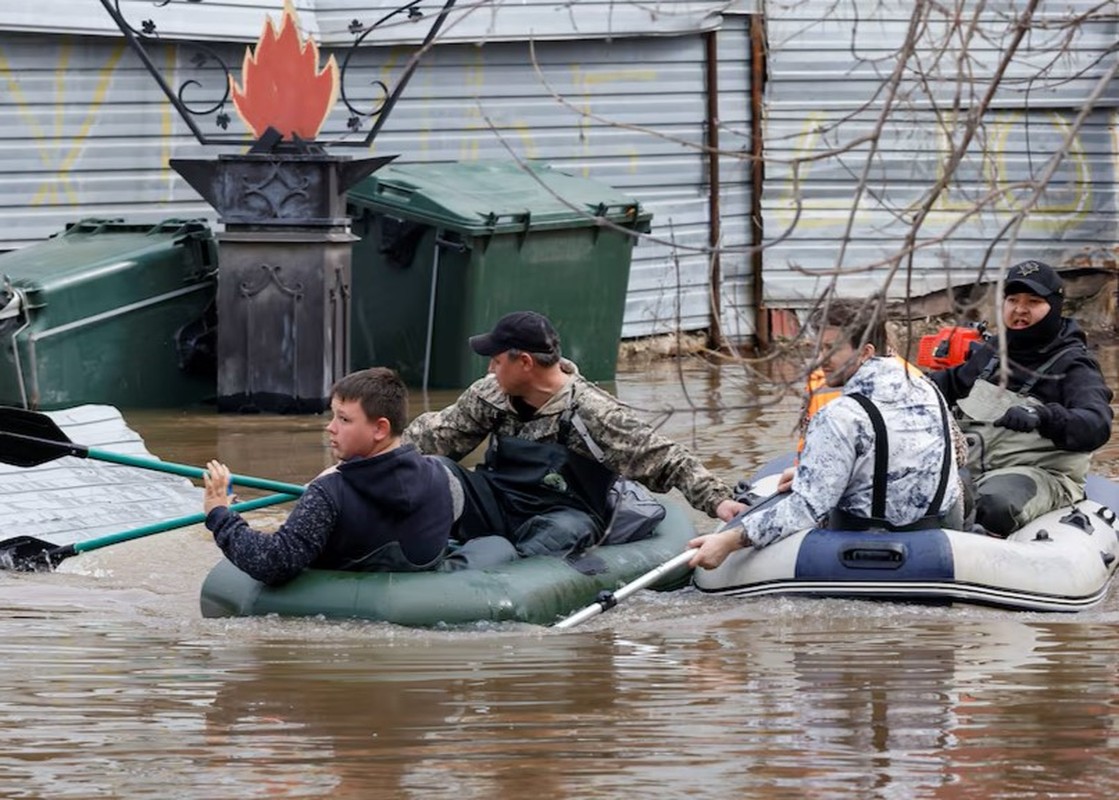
(191, 110)
(383, 105)
(204, 56)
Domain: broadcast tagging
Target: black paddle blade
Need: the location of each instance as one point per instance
(28, 554)
(28, 438)
(30, 423)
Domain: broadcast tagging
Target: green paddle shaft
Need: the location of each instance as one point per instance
(29, 438)
(166, 525)
(191, 472)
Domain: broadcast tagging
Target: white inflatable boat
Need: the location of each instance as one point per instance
(1062, 561)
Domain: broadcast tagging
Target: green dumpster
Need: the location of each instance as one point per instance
(445, 249)
(109, 312)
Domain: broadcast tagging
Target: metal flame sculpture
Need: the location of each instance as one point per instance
(283, 86)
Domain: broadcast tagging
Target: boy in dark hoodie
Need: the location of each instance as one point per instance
(1030, 441)
(384, 507)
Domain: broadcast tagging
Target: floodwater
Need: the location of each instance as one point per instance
(113, 686)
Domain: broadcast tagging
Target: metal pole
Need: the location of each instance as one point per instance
(757, 173)
(714, 213)
(431, 312)
(608, 600)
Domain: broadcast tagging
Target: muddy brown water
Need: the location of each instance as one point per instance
(112, 685)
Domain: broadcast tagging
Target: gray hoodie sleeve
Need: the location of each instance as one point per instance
(275, 558)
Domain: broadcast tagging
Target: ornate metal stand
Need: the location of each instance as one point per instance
(284, 257)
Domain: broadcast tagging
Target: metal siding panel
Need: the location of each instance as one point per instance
(329, 20)
(539, 20)
(82, 133)
(735, 170)
(821, 98)
(212, 20)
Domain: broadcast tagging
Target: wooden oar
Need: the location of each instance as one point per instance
(28, 554)
(607, 599)
(28, 438)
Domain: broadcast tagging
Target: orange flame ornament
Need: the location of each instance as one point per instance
(283, 85)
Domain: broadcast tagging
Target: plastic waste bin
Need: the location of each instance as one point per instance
(445, 249)
(110, 312)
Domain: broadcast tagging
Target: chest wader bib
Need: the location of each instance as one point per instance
(542, 496)
(992, 448)
(1018, 476)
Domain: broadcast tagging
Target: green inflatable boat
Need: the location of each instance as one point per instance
(538, 590)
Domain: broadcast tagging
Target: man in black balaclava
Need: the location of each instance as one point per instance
(1030, 441)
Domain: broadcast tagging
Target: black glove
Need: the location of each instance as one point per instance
(1020, 418)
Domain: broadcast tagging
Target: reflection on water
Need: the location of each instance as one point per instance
(796, 702)
(112, 686)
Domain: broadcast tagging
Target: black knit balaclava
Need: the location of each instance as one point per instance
(1035, 277)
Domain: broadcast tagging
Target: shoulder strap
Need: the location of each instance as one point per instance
(881, 454)
(989, 368)
(569, 420)
(993, 363)
(1044, 369)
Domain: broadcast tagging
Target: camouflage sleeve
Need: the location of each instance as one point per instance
(955, 434)
(457, 429)
(959, 442)
(636, 451)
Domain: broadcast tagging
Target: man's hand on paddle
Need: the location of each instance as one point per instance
(216, 481)
(785, 483)
(715, 547)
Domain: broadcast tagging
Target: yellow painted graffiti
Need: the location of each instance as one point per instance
(996, 172)
(589, 81)
(394, 57)
(1067, 203)
(470, 149)
(474, 80)
(58, 148)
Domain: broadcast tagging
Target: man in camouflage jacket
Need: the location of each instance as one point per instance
(561, 438)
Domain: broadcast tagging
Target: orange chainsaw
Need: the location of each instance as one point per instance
(950, 346)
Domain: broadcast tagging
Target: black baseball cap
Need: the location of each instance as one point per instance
(1035, 277)
(526, 331)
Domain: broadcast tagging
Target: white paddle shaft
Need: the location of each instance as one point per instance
(609, 599)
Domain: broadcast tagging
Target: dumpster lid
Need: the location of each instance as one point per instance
(92, 244)
(495, 197)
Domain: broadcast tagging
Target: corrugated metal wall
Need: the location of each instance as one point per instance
(84, 131)
(828, 68)
(328, 21)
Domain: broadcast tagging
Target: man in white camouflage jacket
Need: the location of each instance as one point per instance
(879, 456)
(557, 444)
